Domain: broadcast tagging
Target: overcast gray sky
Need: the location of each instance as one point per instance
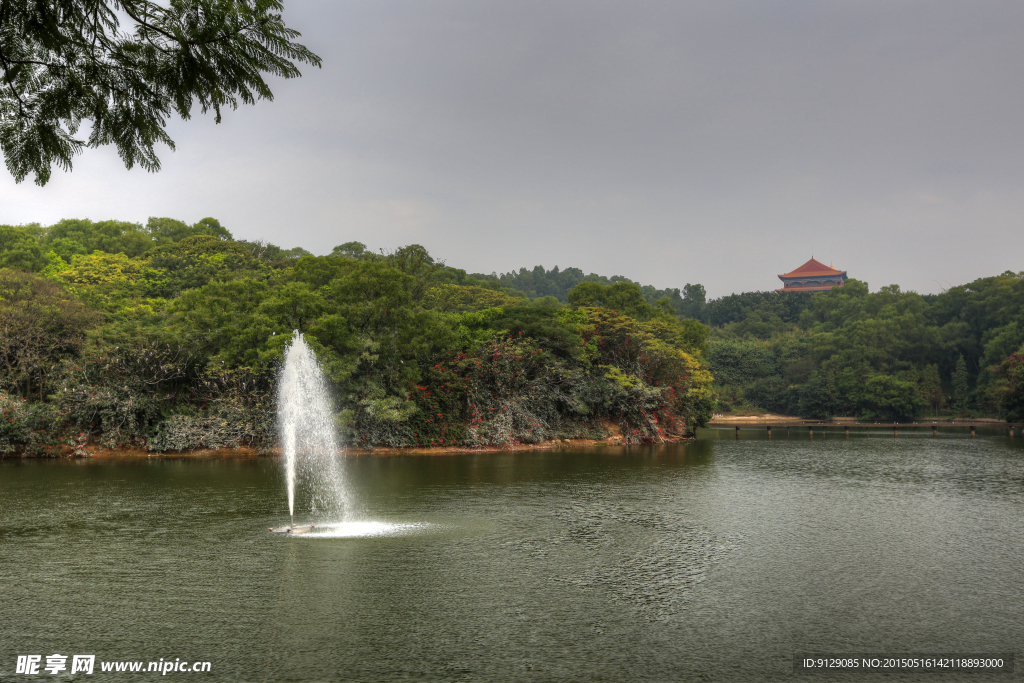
(671, 142)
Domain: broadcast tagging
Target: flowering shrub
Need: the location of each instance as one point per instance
(440, 401)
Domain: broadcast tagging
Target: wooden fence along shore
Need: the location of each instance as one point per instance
(846, 425)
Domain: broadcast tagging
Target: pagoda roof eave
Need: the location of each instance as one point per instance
(816, 273)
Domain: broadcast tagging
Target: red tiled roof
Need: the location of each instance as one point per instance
(813, 268)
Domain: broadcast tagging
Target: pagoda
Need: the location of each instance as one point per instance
(813, 276)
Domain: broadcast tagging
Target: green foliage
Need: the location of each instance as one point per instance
(931, 388)
(556, 283)
(198, 260)
(527, 374)
(464, 298)
(169, 230)
(236, 410)
(34, 428)
(771, 393)
(625, 297)
(742, 362)
(354, 250)
(423, 354)
(113, 283)
(887, 354)
(780, 311)
(961, 384)
(888, 398)
(817, 397)
(71, 237)
(650, 352)
(39, 325)
(415, 262)
(20, 250)
(120, 394)
(1011, 371)
(694, 302)
(221, 321)
(126, 67)
(549, 325)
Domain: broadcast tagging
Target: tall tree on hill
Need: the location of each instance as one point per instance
(960, 384)
(126, 66)
(931, 387)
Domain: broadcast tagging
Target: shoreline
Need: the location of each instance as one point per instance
(97, 452)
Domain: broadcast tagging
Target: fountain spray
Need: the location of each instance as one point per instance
(308, 434)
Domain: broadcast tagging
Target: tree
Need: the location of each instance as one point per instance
(625, 297)
(74, 236)
(960, 384)
(462, 298)
(19, 249)
(169, 230)
(931, 387)
(68, 61)
(352, 250)
(197, 260)
(108, 282)
(1012, 372)
(694, 300)
(39, 324)
(414, 260)
(888, 398)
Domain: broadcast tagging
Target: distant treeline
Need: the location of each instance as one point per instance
(687, 302)
(169, 336)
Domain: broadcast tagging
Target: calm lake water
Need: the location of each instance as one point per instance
(712, 561)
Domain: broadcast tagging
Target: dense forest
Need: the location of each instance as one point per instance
(169, 336)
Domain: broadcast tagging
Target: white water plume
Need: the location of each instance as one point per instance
(309, 437)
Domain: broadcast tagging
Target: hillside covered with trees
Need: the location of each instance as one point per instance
(170, 336)
(889, 354)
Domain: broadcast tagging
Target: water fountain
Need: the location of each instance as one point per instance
(309, 438)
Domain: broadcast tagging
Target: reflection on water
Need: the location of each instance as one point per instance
(364, 529)
(716, 560)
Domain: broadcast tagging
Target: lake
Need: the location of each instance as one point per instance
(717, 560)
